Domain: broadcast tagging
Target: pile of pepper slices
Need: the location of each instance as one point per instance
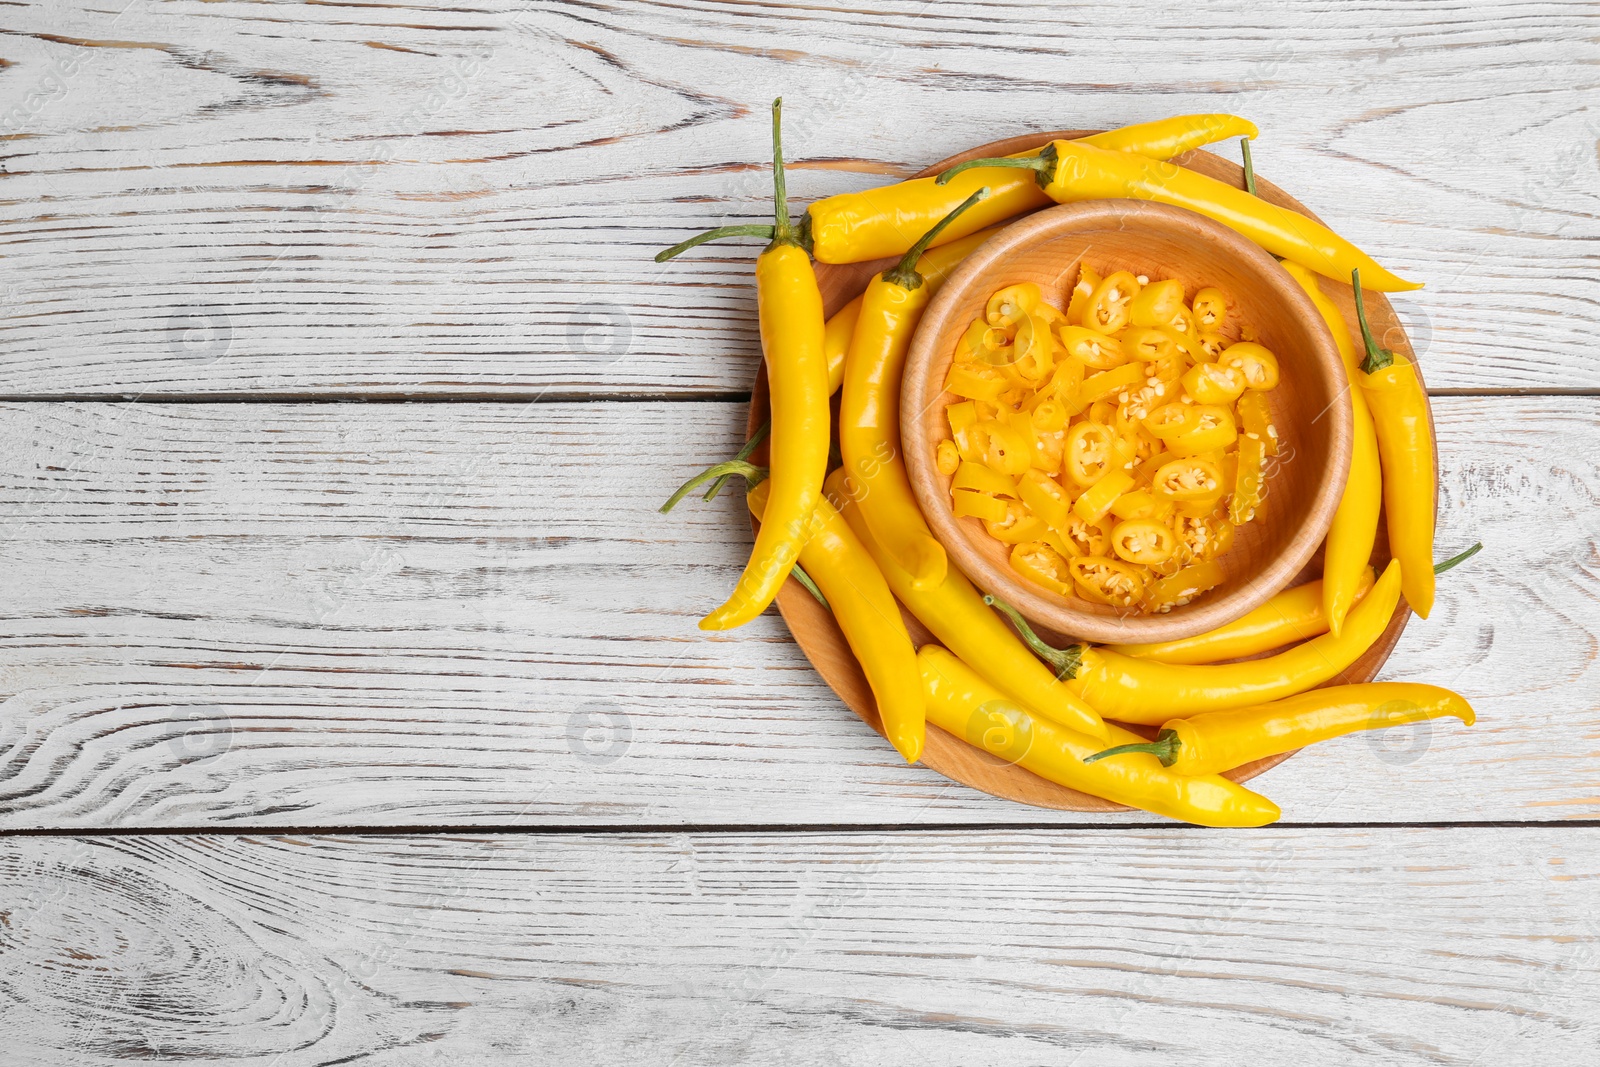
(857, 540)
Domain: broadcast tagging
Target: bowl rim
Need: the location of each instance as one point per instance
(1041, 606)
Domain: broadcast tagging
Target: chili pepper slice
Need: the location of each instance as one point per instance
(1210, 309)
(969, 503)
(1016, 526)
(1088, 281)
(1213, 383)
(1249, 482)
(1221, 740)
(1043, 565)
(1071, 171)
(1092, 348)
(1158, 304)
(1256, 363)
(1183, 585)
(1107, 581)
(965, 704)
(1143, 541)
(983, 479)
(1096, 501)
(1107, 310)
(1045, 498)
(1212, 431)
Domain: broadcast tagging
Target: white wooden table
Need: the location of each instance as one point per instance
(354, 709)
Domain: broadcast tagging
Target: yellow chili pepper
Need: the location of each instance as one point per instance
(1151, 692)
(789, 311)
(869, 410)
(934, 266)
(1221, 740)
(1405, 449)
(882, 222)
(954, 611)
(836, 341)
(1071, 171)
(1355, 523)
(1296, 614)
(962, 703)
(865, 610)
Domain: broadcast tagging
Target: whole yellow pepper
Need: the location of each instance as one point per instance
(869, 411)
(866, 612)
(789, 310)
(882, 222)
(1221, 740)
(1405, 447)
(1071, 171)
(934, 266)
(956, 614)
(1151, 692)
(962, 703)
(1296, 614)
(1355, 523)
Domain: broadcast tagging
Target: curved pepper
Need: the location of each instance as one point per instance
(934, 266)
(1296, 614)
(1151, 692)
(965, 705)
(1405, 450)
(882, 222)
(789, 311)
(1221, 740)
(869, 410)
(1071, 171)
(1355, 523)
(865, 610)
(954, 611)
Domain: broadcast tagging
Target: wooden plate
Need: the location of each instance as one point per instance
(819, 636)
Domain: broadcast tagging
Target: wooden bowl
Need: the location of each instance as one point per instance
(1310, 406)
(824, 645)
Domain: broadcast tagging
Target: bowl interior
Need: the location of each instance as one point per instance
(1310, 407)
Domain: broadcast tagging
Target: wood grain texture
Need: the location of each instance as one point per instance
(460, 614)
(1317, 947)
(325, 199)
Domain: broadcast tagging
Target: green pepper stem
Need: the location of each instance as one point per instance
(743, 453)
(782, 231)
(1164, 748)
(1377, 358)
(799, 574)
(1064, 661)
(751, 230)
(1043, 165)
(748, 471)
(904, 274)
(780, 182)
(1460, 557)
(1249, 168)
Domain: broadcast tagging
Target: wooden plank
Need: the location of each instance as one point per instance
(1134, 947)
(461, 614)
(224, 199)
